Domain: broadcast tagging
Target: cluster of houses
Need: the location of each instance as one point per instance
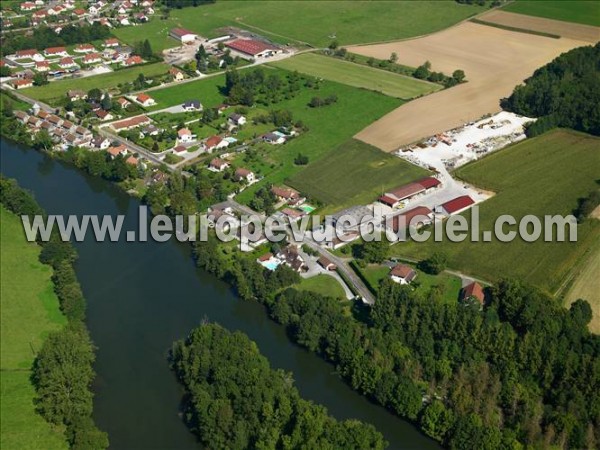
(55, 13)
(58, 61)
(288, 255)
(66, 134)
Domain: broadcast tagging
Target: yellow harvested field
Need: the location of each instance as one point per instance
(569, 30)
(494, 60)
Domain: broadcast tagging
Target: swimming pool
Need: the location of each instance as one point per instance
(307, 208)
(271, 264)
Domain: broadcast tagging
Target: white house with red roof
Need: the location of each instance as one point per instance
(30, 53)
(67, 63)
(185, 136)
(28, 6)
(56, 51)
(145, 100)
(92, 58)
(84, 48)
(111, 43)
(42, 66)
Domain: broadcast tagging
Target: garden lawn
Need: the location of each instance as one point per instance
(322, 284)
(354, 173)
(585, 12)
(358, 75)
(315, 23)
(540, 176)
(29, 312)
(57, 90)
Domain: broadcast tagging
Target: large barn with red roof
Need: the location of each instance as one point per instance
(253, 48)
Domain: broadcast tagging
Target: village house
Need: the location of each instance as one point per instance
(40, 14)
(326, 264)
(22, 84)
(456, 205)
(290, 256)
(115, 151)
(94, 9)
(56, 51)
(237, 120)
(192, 105)
(76, 94)
(218, 165)
(150, 130)
(293, 215)
(79, 12)
(84, 48)
(145, 100)
(21, 116)
(42, 66)
(104, 115)
(287, 195)
(176, 74)
(28, 6)
(100, 143)
(403, 274)
(92, 58)
(214, 143)
(473, 292)
(132, 160)
(66, 63)
(185, 136)
(123, 102)
(34, 122)
(253, 48)
(132, 61)
(111, 43)
(245, 175)
(128, 124)
(30, 53)
(273, 138)
(67, 125)
(182, 35)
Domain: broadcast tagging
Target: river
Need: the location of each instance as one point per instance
(143, 296)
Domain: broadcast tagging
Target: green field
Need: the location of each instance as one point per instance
(328, 126)
(322, 284)
(447, 285)
(542, 175)
(58, 89)
(317, 23)
(29, 312)
(357, 75)
(354, 173)
(586, 12)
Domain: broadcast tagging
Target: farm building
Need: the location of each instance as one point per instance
(182, 35)
(457, 205)
(356, 214)
(395, 196)
(403, 274)
(253, 48)
(402, 221)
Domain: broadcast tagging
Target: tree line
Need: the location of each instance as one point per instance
(44, 37)
(62, 371)
(563, 93)
(235, 400)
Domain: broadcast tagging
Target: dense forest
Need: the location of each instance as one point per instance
(62, 372)
(44, 37)
(563, 93)
(523, 372)
(235, 400)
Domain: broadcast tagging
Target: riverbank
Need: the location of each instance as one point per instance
(134, 315)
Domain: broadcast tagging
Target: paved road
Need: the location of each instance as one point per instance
(31, 101)
(141, 150)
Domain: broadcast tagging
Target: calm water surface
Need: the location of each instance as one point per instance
(143, 296)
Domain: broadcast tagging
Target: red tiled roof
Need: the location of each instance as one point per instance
(180, 32)
(403, 271)
(53, 50)
(458, 204)
(213, 141)
(91, 57)
(473, 290)
(249, 46)
(241, 172)
(115, 151)
(406, 217)
(180, 148)
(143, 97)
(391, 201)
(429, 182)
(30, 52)
(133, 122)
(26, 82)
(265, 257)
(406, 191)
(285, 193)
(217, 163)
(66, 60)
(292, 213)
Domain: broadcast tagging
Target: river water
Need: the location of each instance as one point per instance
(143, 296)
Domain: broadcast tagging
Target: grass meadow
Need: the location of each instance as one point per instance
(358, 75)
(354, 173)
(539, 176)
(585, 12)
(29, 312)
(322, 284)
(314, 23)
(56, 90)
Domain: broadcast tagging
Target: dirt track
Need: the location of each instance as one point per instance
(494, 60)
(565, 29)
